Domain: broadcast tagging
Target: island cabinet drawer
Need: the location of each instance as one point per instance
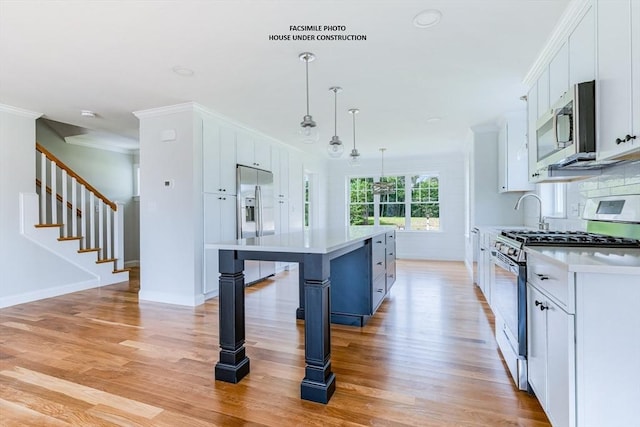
(391, 238)
(391, 274)
(552, 279)
(378, 254)
(378, 291)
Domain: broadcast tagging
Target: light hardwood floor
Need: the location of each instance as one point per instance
(100, 357)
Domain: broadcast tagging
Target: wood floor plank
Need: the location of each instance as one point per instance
(101, 357)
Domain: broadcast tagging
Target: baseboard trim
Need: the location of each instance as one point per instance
(170, 298)
(48, 293)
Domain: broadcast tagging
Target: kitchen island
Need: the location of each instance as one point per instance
(360, 261)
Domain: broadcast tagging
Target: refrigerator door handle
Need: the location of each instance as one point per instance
(258, 211)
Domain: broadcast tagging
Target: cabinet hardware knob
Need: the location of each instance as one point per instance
(619, 141)
(629, 137)
(379, 263)
(378, 241)
(380, 290)
(542, 276)
(542, 306)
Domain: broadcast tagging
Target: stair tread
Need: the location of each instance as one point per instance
(101, 261)
(122, 270)
(48, 225)
(88, 250)
(62, 239)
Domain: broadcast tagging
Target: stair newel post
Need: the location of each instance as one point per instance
(83, 218)
(118, 236)
(54, 192)
(43, 188)
(74, 207)
(101, 254)
(91, 230)
(63, 211)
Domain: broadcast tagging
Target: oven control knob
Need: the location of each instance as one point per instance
(511, 251)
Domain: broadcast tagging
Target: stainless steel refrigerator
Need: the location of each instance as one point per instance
(255, 215)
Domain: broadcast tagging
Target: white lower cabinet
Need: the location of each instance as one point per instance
(551, 356)
(219, 225)
(583, 344)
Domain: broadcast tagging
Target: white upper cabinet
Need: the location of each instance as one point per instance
(218, 159)
(252, 151)
(543, 92)
(532, 118)
(559, 74)
(618, 83)
(582, 50)
(513, 164)
(280, 165)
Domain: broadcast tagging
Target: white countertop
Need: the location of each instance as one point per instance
(591, 260)
(315, 242)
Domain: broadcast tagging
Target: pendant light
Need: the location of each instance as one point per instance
(381, 187)
(335, 147)
(354, 156)
(308, 130)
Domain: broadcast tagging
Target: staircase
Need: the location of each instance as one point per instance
(72, 219)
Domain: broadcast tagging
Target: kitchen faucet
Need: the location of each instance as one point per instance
(542, 225)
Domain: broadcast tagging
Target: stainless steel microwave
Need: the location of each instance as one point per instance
(566, 134)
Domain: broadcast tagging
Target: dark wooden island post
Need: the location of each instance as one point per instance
(347, 251)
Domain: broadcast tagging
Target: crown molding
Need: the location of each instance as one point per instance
(572, 15)
(19, 111)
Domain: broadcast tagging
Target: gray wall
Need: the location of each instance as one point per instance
(109, 172)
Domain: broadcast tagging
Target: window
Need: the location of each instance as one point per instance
(554, 199)
(361, 201)
(413, 202)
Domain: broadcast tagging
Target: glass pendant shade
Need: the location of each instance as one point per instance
(308, 131)
(335, 148)
(382, 187)
(354, 157)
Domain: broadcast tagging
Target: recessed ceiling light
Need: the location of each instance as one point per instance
(87, 113)
(183, 71)
(427, 18)
(433, 119)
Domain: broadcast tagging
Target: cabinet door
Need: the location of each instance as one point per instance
(502, 158)
(210, 157)
(635, 68)
(582, 50)
(560, 405)
(517, 157)
(262, 155)
(284, 174)
(532, 118)
(227, 161)
(244, 149)
(559, 74)
(282, 216)
(537, 344)
(212, 204)
(228, 209)
(613, 90)
(543, 93)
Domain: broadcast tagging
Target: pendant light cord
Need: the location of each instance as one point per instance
(354, 130)
(335, 112)
(306, 64)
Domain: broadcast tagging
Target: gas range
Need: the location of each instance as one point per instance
(511, 242)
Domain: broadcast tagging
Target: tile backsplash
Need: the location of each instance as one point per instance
(616, 180)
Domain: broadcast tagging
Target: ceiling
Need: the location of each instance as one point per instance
(116, 57)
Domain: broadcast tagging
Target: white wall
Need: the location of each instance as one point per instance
(446, 244)
(28, 271)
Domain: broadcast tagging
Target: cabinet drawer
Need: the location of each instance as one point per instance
(391, 238)
(391, 274)
(552, 279)
(378, 291)
(378, 255)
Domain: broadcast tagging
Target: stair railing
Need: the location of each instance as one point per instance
(83, 214)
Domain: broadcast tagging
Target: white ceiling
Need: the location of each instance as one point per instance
(116, 57)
